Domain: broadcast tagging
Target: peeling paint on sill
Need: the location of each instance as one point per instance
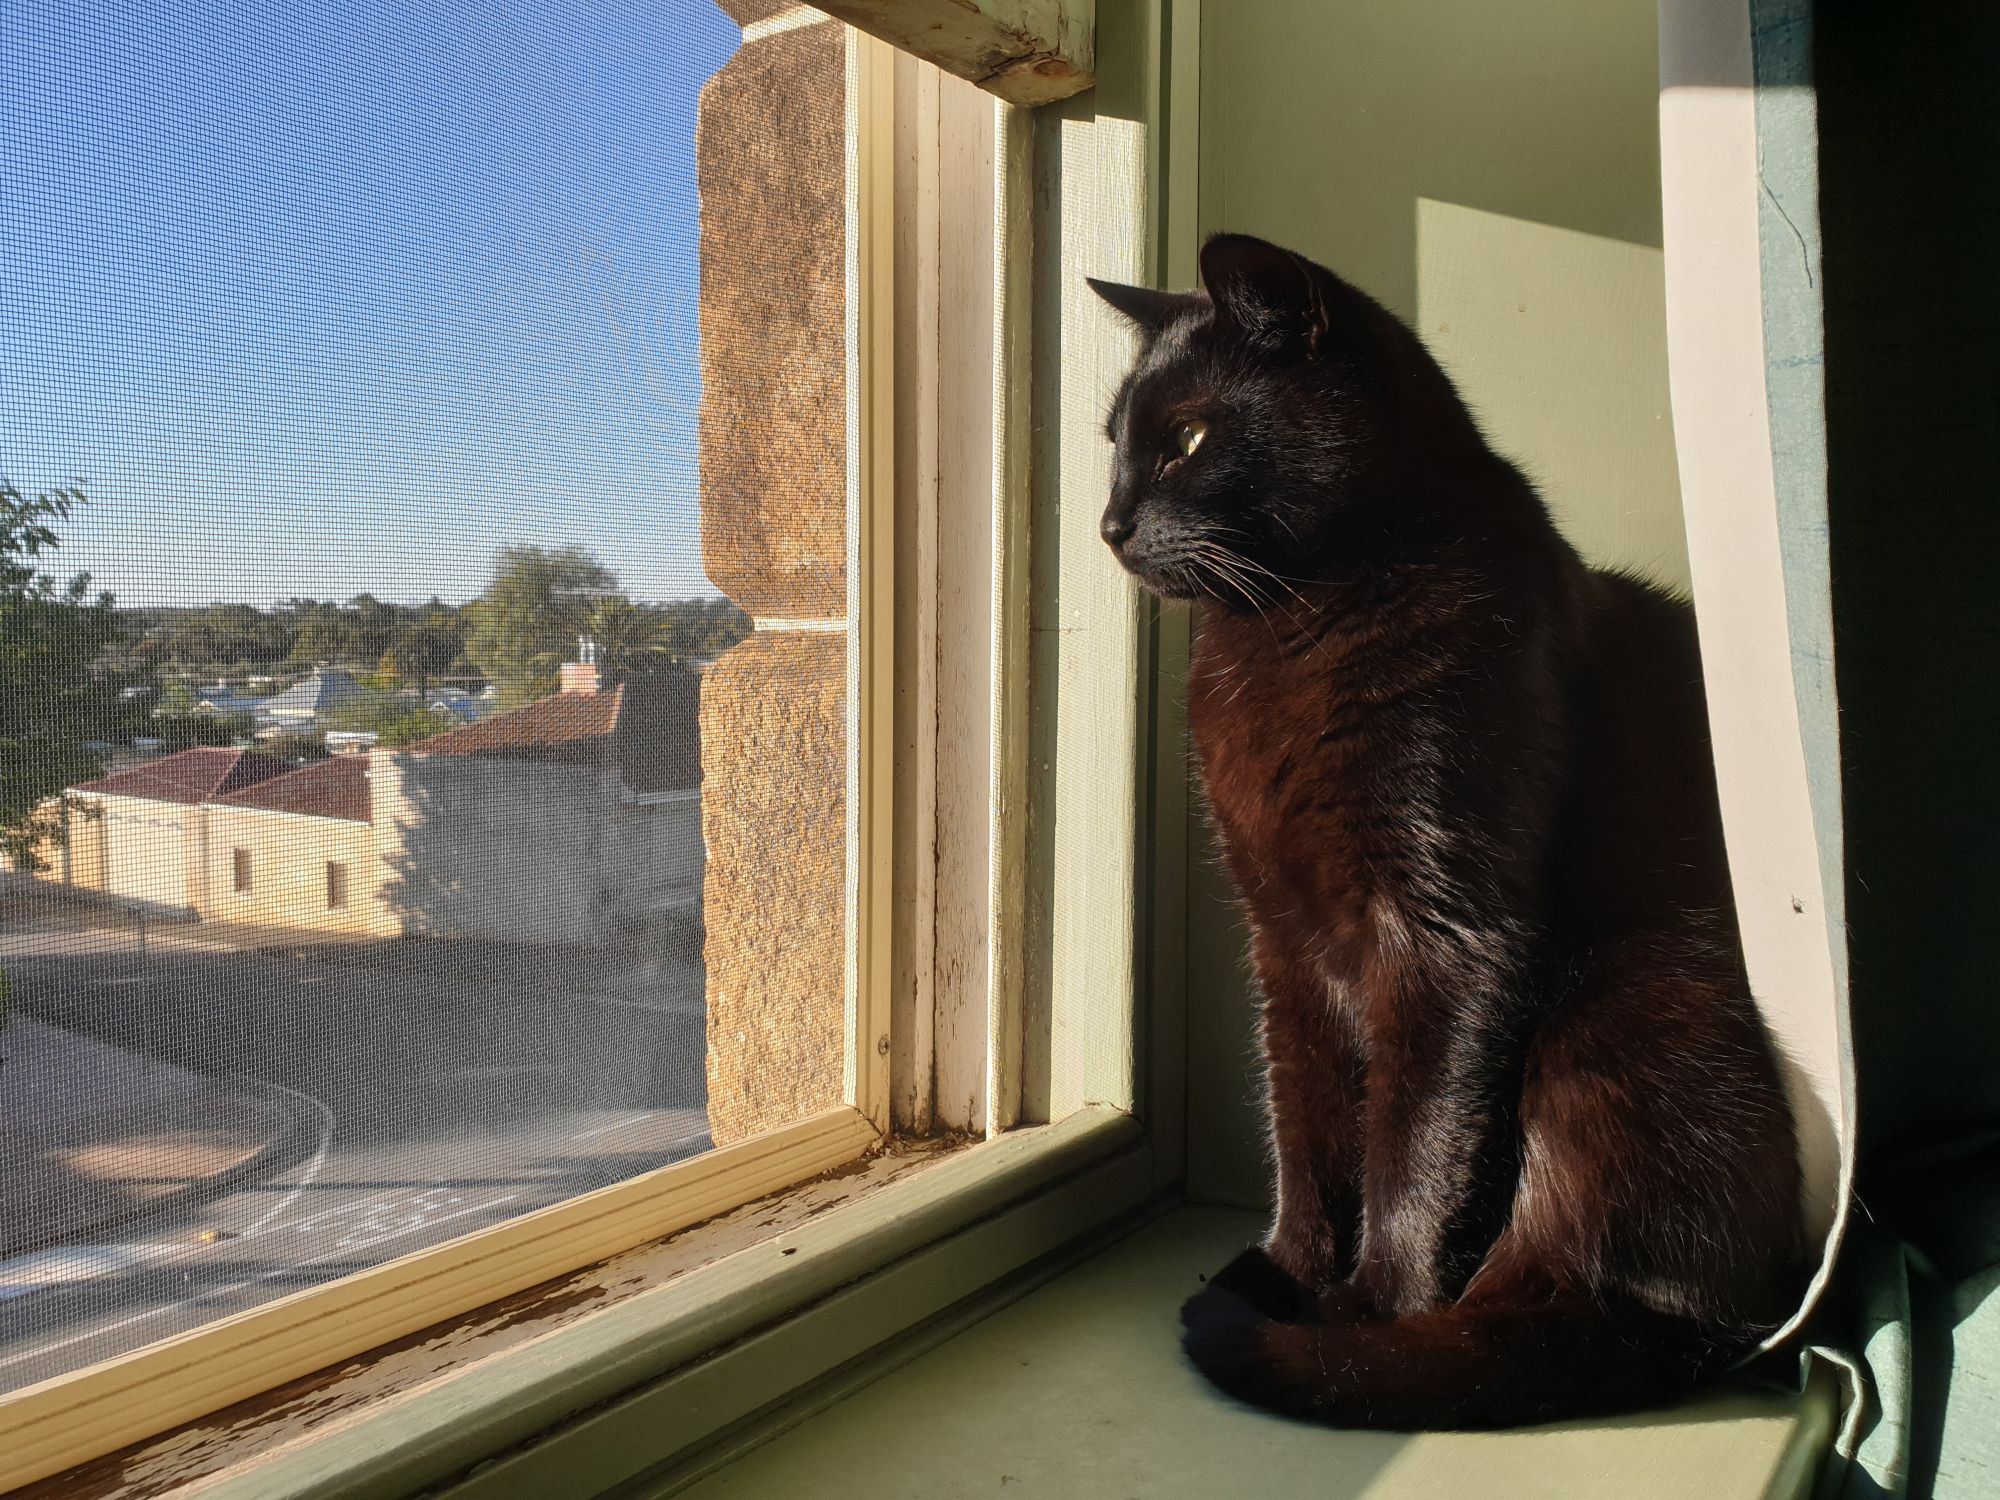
(235, 1437)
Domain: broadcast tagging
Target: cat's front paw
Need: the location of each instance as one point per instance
(1262, 1283)
(1216, 1306)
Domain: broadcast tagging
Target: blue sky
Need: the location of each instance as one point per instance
(334, 295)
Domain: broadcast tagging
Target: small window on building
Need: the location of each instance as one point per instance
(336, 885)
(240, 867)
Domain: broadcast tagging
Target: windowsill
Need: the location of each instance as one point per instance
(820, 1274)
(1079, 1388)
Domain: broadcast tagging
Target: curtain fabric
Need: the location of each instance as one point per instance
(1913, 1322)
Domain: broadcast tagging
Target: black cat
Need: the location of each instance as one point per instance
(1534, 1159)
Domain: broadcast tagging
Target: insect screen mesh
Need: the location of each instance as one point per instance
(405, 409)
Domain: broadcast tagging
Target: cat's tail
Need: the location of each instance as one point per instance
(1504, 1361)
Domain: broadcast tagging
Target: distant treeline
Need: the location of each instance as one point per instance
(516, 635)
(241, 639)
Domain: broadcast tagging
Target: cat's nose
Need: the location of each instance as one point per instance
(1116, 529)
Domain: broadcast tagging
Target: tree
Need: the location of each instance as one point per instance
(426, 645)
(367, 625)
(525, 626)
(633, 639)
(176, 701)
(186, 731)
(395, 719)
(303, 748)
(409, 725)
(628, 638)
(55, 697)
(705, 628)
(318, 636)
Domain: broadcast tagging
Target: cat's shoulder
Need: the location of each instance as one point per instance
(1637, 634)
(1621, 599)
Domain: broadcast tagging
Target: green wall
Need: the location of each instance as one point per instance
(1490, 170)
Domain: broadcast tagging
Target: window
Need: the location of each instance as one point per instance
(489, 489)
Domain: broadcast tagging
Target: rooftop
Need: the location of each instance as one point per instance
(189, 776)
(648, 729)
(336, 788)
(315, 693)
(567, 728)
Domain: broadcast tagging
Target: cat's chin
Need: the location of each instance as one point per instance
(1166, 582)
(1185, 592)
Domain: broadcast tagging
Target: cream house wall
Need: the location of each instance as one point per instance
(289, 854)
(135, 849)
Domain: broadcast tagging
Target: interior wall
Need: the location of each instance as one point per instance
(1489, 169)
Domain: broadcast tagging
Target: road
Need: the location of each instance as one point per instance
(435, 1086)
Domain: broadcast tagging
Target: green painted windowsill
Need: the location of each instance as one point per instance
(1079, 1390)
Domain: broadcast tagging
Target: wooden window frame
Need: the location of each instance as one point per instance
(828, 1271)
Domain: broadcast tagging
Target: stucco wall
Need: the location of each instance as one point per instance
(653, 854)
(473, 846)
(288, 859)
(149, 850)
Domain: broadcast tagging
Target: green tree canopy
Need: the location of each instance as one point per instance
(426, 646)
(526, 624)
(55, 697)
(543, 602)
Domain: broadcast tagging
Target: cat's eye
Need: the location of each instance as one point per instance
(1188, 436)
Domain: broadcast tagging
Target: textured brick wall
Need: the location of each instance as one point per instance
(771, 163)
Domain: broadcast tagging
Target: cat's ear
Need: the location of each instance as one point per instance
(1147, 310)
(1263, 287)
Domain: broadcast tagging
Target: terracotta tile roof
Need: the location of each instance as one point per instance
(649, 729)
(336, 788)
(190, 776)
(568, 729)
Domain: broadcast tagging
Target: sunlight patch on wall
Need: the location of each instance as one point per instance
(1558, 342)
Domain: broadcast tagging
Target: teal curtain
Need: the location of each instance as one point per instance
(1913, 1322)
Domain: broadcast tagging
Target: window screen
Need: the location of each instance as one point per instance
(423, 619)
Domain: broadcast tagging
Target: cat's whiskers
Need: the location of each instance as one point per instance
(1224, 559)
(1229, 568)
(1217, 530)
(1240, 573)
(1278, 578)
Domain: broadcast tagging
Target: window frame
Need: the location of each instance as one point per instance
(838, 1267)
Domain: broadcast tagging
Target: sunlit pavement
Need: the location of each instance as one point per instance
(40, 922)
(98, 1135)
